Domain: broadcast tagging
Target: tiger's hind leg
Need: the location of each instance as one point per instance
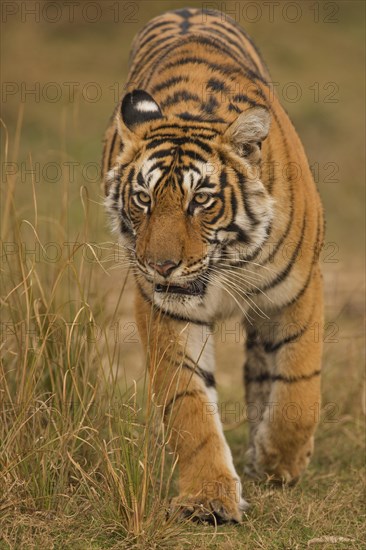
(282, 380)
(257, 384)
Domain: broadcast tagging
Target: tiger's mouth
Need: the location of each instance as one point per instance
(193, 288)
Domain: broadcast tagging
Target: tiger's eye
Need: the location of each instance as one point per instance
(144, 198)
(201, 198)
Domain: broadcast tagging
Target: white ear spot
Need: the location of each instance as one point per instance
(146, 106)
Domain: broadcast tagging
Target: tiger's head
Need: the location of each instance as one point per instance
(187, 198)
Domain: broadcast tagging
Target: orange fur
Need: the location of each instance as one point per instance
(209, 187)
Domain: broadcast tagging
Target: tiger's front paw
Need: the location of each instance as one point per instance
(218, 502)
(267, 461)
(214, 511)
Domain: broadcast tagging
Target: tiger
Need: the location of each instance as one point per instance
(209, 190)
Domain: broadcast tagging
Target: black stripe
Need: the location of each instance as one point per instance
(156, 142)
(241, 234)
(225, 69)
(199, 118)
(302, 291)
(161, 137)
(191, 166)
(285, 233)
(177, 396)
(140, 180)
(142, 60)
(199, 447)
(185, 24)
(235, 27)
(207, 377)
(271, 178)
(146, 40)
(104, 157)
(259, 92)
(125, 227)
(233, 107)
(161, 153)
(210, 106)
(225, 38)
(223, 181)
(292, 195)
(220, 212)
(116, 192)
(193, 155)
(285, 272)
(242, 98)
(204, 146)
(266, 376)
(253, 74)
(305, 286)
(184, 13)
(217, 85)
(271, 347)
(131, 175)
(111, 149)
(177, 97)
(154, 25)
(158, 164)
(205, 182)
(179, 141)
(254, 338)
(185, 128)
(168, 83)
(242, 186)
(220, 44)
(255, 251)
(143, 63)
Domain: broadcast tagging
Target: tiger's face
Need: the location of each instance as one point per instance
(187, 198)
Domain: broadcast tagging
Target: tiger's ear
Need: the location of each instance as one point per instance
(138, 107)
(248, 131)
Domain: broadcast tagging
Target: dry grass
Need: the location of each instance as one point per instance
(78, 457)
(83, 463)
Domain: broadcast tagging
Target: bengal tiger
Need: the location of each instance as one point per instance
(208, 187)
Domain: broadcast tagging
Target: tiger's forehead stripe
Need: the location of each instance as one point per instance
(192, 162)
(150, 173)
(167, 130)
(190, 180)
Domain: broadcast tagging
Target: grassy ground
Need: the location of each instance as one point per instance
(81, 466)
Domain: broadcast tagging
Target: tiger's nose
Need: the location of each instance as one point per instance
(164, 268)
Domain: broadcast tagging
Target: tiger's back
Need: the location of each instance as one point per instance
(182, 58)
